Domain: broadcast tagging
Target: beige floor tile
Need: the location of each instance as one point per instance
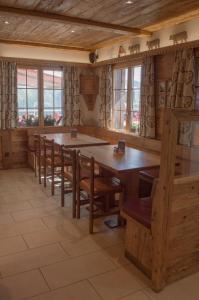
(6, 219)
(78, 291)
(44, 237)
(21, 227)
(12, 245)
(35, 213)
(116, 254)
(185, 289)
(42, 201)
(80, 246)
(76, 269)
(13, 207)
(115, 284)
(137, 296)
(22, 286)
(31, 259)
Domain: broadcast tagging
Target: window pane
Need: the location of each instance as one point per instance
(32, 118)
(21, 97)
(135, 101)
(58, 98)
(22, 117)
(32, 95)
(121, 79)
(117, 119)
(58, 117)
(48, 98)
(48, 117)
(135, 122)
(32, 78)
(57, 79)
(124, 78)
(21, 78)
(136, 78)
(48, 79)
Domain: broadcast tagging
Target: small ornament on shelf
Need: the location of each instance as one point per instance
(121, 51)
(134, 49)
(179, 38)
(154, 44)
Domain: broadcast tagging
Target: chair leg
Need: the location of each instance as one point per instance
(39, 167)
(121, 201)
(91, 215)
(62, 191)
(45, 175)
(53, 181)
(74, 200)
(35, 165)
(78, 202)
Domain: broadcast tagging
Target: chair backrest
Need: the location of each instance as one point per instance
(49, 148)
(86, 168)
(68, 157)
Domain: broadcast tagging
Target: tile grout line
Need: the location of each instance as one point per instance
(92, 286)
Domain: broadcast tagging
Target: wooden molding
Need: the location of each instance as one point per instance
(141, 55)
(30, 62)
(45, 45)
(68, 19)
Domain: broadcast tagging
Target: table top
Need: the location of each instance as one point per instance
(81, 140)
(131, 160)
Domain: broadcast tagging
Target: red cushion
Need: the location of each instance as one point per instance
(139, 209)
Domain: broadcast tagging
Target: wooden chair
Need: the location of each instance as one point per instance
(68, 174)
(39, 156)
(99, 190)
(52, 162)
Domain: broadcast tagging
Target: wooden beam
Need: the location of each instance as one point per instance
(76, 20)
(112, 41)
(46, 45)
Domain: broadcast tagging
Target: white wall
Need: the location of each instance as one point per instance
(7, 50)
(192, 28)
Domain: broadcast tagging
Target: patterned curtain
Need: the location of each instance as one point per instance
(106, 96)
(182, 93)
(147, 122)
(72, 96)
(8, 95)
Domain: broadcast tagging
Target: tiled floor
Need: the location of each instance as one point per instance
(46, 255)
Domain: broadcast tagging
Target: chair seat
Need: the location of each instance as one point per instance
(102, 185)
(57, 161)
(139, 209)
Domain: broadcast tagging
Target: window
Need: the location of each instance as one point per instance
(27, 96)
(53, 100)
(126, 104)
(37, 88)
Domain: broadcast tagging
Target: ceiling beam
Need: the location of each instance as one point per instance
(68, 19)
(45, 45)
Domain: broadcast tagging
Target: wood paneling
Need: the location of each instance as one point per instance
(163, 72)
(140, 15)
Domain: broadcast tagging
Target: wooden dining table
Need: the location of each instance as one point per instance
(82, 140)
(125, 166)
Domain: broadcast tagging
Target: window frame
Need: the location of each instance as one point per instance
(130, 90)
(41, 89)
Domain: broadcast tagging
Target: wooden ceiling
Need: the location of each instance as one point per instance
(87, 24)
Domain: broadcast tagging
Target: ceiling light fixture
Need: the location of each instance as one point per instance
(6, 22)
(72, 31)
(129, 2)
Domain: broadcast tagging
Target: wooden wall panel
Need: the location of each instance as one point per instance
(163, 72)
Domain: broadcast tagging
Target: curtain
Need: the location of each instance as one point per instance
(182, 93)
(106, 96)
(72, 96)
(8, 95)
(147, 113)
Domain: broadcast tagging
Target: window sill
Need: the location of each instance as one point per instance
(124, 132)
